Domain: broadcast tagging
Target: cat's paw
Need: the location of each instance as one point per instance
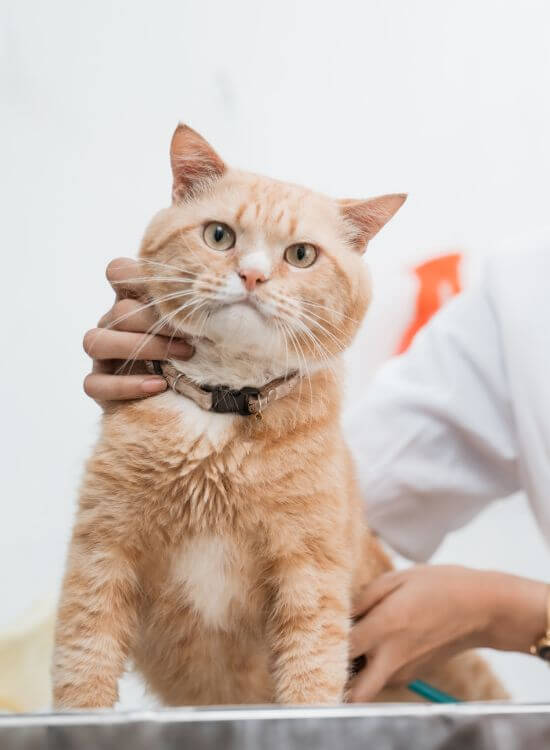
(311, 695)
(84, 697)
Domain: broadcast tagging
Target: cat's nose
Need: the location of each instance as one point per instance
(251, 277)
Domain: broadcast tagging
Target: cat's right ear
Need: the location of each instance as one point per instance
(194, 162)
(366, 218)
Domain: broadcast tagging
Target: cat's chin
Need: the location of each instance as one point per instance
(240, 327)
(237, 345)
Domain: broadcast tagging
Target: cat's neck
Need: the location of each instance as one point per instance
(212, 364)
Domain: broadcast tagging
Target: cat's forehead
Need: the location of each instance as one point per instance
(254, 203)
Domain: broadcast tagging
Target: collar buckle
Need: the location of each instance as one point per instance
(226, 400)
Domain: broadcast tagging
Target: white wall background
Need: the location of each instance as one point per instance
(448, 101)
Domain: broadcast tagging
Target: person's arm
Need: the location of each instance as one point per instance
(435, 442)
(434, 439)
(122, 335)
(416, 617)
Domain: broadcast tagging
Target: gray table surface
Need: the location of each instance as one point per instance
(487, 726)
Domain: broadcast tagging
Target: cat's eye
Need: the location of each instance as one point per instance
(219, 236)
(302, 254)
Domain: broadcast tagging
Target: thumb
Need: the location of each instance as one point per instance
(370, 680)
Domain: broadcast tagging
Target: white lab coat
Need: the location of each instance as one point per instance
(463, 417)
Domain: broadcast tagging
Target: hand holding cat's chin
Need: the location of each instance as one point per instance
(121, 335)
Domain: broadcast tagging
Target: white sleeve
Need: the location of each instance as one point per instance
(433, 438)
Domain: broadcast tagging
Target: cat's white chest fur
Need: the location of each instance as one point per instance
(212, 576)
(210, 429)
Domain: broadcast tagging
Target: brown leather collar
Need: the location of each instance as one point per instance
(221, 398)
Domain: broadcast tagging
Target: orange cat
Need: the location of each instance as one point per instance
(219, 536)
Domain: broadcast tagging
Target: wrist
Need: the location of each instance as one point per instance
(517, 611)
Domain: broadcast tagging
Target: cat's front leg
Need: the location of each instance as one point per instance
(308, 629)
(96, 621)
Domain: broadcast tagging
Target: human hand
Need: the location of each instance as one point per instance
(413, 618)
(121, 336)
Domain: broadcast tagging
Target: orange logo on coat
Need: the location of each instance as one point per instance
(438, 282)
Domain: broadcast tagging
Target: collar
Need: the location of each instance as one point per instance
(220, 398)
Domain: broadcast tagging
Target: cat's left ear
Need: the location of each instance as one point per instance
(195, 164)
(366, 218)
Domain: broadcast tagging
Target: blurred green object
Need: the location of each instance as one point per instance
(431, 693)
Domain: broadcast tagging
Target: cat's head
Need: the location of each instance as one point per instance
(259, 266)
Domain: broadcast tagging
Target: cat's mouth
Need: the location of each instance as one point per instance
(228, 320)
(251, 303)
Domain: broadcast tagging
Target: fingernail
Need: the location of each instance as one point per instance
(153, 385)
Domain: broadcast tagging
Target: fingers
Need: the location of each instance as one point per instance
(374, 623)
(370, 681)
(369, 596)
(101, 343)
(130, 315)
(121, 336)
(367, 634)
(124, 275)
(103, 387)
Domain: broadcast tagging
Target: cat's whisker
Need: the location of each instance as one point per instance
(296, 304)
(186, 275)
(300, 353)
(298, 301)
(312, 316)
(178, 325)
(101, 331)
(210, 286)
(186, 270)
(165, 265)
(203, 322)
(286, 328)
(152, 331)
(308, 378)
(329, 309)
(294, 316)
(145, 306)
(281, 327)
(322, 351)
(145, 279)
(282, 333)
(201, 303)
(316, 322)
(338, 345)
(319, 350)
